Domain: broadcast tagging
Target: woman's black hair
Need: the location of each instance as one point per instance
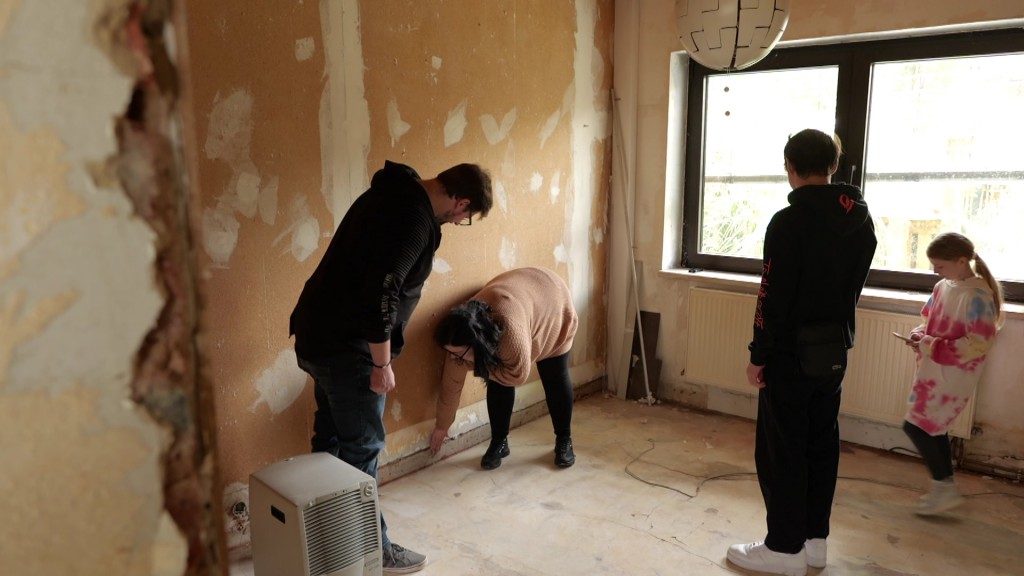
(471, 324)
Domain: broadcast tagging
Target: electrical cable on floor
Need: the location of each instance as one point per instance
(750, 475)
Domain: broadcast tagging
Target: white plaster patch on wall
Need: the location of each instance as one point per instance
(596, 70)
(22, 322)
(455, 126)
(598, 235)
(36, 194)
(507, 254)
(556, 186)
(396, 126)
(435, 63)
(561, 253)
(305, 238)
(304, 48)
(303, 231)
(492, 131)
(229, 131)
(48, 78)
(229, 136)
(327, 145)
(268, 202)
(549, 126)
(170, 555)
(501, 196)
(220, 233)
(589, 130)
(441, 266)
(396, 409)
(281, 384)
(569, 97)
(536, 181)
(94, 275)
(344, 111)
(247, 189)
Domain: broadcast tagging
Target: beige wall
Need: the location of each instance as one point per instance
(291, 107)
(645, 38)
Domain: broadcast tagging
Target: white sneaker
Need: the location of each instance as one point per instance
(757, 556)
(944, 496)
(816, 550)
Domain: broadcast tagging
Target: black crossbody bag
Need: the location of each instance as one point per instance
(821, 349)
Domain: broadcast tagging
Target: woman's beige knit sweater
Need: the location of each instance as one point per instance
(534, 308)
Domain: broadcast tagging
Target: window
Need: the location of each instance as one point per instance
(932, 130)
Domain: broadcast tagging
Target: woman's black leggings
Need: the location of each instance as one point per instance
(554, 376)
(934, 449)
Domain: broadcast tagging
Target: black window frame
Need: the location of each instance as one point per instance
(854, 60)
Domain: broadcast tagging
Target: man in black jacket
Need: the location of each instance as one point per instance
(817, 254)
(351, 315)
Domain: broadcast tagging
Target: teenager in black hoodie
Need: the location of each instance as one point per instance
(817, 253)
(351, 315)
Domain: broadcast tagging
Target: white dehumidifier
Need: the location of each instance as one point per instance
(314, 515)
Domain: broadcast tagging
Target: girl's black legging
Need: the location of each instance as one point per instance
(934, 449)
(554, 376)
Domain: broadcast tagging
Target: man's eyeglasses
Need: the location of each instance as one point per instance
(467, 221)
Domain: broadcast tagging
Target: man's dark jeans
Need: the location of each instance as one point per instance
(349, 419)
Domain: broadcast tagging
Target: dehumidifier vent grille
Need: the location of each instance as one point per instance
(340, 531)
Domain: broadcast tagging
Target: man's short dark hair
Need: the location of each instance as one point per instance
(813, 153)
(471, 182)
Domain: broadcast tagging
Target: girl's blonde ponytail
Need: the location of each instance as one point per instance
(981, 269)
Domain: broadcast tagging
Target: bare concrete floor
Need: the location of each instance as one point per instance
(660, 490)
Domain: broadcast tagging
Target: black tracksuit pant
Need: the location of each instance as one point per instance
(797, 452)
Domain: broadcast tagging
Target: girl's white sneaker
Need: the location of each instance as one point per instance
(816, 550)
(944, 496)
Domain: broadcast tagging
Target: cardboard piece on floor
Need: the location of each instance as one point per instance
(636, 390)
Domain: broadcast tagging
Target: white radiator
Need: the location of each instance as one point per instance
(878, 378)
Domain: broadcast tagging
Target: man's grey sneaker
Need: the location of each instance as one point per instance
(495, 452)
(564, 456)
(399, 560)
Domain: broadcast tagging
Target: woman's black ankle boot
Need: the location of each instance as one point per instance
(495, 452)
(564, 456)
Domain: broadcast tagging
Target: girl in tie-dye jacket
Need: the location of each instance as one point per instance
(960, 322)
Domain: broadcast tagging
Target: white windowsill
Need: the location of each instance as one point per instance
(876, 296)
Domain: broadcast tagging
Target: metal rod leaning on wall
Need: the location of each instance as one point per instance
(649, 398)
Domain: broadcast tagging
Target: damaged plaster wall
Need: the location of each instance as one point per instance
(645, 39)
(284, 132)
(95, 421)
(252, 90)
